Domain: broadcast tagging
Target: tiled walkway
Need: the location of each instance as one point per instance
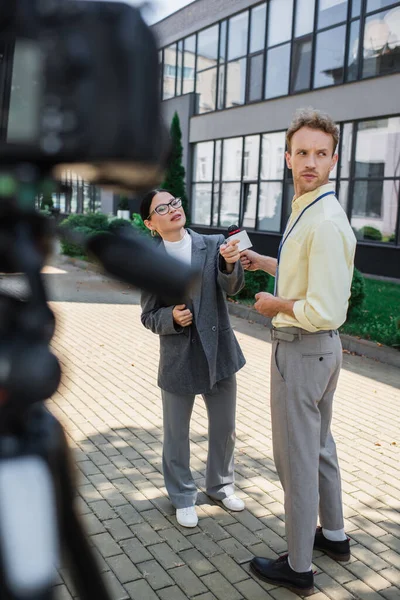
(110, 405)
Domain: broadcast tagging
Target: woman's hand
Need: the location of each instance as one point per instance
(230, 251)
(182, 315)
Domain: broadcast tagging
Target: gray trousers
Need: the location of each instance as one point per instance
(177, 409)
(304, 375)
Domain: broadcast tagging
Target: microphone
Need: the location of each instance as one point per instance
(236, 232)
(134, 260)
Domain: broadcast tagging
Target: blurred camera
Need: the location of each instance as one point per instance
(79, 83)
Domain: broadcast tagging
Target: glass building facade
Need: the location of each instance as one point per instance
(245, 179)
(77, 196)
(283, 47)
(245, 72)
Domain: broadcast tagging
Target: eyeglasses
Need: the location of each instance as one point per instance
(163, 209)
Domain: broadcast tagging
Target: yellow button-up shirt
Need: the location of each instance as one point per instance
(316, 264)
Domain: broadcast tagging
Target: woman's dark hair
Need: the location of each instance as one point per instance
(146, 202)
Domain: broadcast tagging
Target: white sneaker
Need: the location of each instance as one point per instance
(234, 503)
(187, 517)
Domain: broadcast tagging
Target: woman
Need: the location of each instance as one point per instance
(199, 354)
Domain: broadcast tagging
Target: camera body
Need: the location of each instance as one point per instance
(80, 91)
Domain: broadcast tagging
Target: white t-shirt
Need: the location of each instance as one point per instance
(181, 250)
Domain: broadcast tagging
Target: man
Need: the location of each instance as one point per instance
(312, 287)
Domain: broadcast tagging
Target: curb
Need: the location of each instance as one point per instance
(83, 264)
(359, 346)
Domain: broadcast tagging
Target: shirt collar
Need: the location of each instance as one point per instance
(302, 201)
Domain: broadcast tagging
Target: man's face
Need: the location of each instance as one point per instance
(311, 159)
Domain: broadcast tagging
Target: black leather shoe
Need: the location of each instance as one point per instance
(279, 572)
(337, 550)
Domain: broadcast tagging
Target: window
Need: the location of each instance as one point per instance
(270, 206)
(345, 152)
(179, 71)
(382, 43)
(221, 87)
(375, 191)
(203, 161)
(352, 57)
(272, 155)
(222, 42)
(202, 187)
(355, 8)
(279, 21)
(256, 64)
(377, 4)
(236, 83)
(277, 74)
(304, 17)
(257, 31)
(237, 41)
(367, 200)
(249, 206)
(217, 160)
(343, 195)
(329, 64)
(270, 193)
(206, 88)
(366, 169)
(231, 176)
(251, 156)
(201, 203)
(230, 204)
(189, 64)
(206, 79)
(169, 72)
(301, 64)
(378, 142)
(207, 48)
(256, 57)
(232, 159)
(331, 12)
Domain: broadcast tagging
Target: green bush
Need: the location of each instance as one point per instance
(94, 221)
(357, 293)
(137, 222)
(370, 233)
(115, 224)
(255, 281)
(392, 238)
(71, 249)
(87, 224)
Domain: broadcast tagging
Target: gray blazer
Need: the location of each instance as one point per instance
(194, 358)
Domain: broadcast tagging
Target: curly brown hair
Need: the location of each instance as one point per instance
(315, 119)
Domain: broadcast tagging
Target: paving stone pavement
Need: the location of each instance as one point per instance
(110, 406)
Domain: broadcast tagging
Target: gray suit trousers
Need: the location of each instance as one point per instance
(304, 375)
(177, 409)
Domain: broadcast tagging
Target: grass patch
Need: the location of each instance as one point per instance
(379, 318)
